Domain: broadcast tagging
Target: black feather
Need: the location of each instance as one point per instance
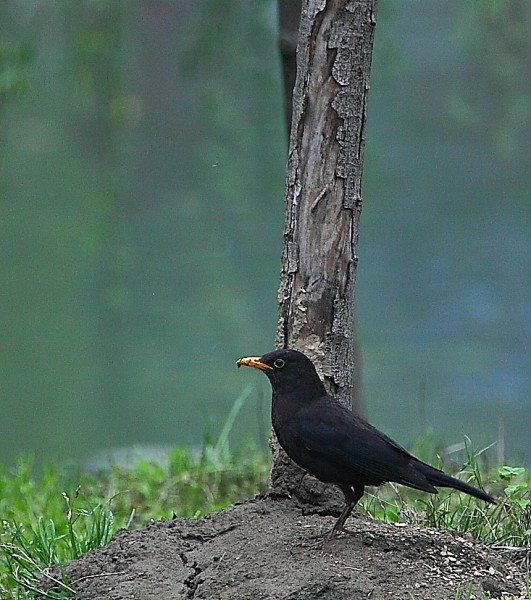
(330, 442)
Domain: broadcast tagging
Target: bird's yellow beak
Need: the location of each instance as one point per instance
(253, 361)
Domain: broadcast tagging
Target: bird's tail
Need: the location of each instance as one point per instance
(438, 478)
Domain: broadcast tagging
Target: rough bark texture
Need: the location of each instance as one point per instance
(323, 204)
(289, 16)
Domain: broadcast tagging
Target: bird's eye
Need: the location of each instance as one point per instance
(279, 363)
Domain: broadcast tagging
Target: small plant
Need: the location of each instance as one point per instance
(44, 526)
(506, 526)
(467, 593)
(47, 521)
(29, 550)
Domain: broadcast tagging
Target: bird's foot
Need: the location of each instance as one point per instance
(320, 540)
(315, 543)
(338, 532)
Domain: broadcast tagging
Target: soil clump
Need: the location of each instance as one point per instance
(267, 548)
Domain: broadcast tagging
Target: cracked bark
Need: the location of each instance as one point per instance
(323, 205)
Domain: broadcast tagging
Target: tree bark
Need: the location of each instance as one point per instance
(323, 205)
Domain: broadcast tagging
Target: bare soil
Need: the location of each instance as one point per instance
(268, 549)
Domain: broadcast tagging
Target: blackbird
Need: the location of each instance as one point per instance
(330, 442)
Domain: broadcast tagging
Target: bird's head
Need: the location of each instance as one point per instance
(289, 371)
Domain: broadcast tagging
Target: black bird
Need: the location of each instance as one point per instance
(330, 442)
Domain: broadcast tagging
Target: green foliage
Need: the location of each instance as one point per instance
(43, 525)
(189, 485)
(467, 593)
(505, 526)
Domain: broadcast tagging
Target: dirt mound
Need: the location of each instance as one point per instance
(266, 549)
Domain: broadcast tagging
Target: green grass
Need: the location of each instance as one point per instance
(48, 519)
(505, 526)
(467, 593)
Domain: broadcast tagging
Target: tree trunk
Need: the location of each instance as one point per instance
(323, 205)
(289, 16)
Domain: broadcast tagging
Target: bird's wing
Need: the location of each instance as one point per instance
(351, 443)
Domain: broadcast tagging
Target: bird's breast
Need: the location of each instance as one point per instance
(284, 421)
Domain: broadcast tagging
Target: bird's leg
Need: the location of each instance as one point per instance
(352, 495)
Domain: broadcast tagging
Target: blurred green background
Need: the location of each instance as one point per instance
(142, 156)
